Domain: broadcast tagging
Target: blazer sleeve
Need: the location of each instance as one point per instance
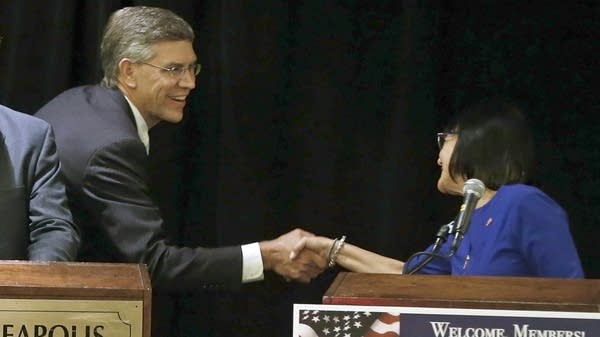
(436, 266)
(53, 235)
(115, 191)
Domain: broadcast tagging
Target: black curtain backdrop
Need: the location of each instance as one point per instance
(322, 115)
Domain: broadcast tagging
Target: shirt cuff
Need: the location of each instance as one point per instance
(252, 265)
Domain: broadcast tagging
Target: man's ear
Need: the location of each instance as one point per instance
(127, 71)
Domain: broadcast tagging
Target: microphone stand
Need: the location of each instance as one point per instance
(441, 237)
(473, 189)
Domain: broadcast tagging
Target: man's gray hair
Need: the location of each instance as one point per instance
(130, 33)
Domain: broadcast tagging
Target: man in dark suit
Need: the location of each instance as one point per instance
(34, 216)
(102, 135)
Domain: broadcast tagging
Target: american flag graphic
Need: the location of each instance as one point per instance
(316, 323)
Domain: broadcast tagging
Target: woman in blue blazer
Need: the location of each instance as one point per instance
(515, 229)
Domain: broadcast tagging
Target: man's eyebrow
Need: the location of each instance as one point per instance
(178, 64)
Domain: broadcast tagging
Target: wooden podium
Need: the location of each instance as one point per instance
(74, 299)
(510, 293)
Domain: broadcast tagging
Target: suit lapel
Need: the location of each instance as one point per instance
(7, 176)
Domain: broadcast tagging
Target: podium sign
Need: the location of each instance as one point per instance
(389, 321)
(59, 299)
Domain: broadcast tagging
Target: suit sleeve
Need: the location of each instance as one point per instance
(115, 190)
(53, 235)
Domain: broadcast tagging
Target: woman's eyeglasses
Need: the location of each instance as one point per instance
(441, 138)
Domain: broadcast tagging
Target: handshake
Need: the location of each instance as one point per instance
(300, 255)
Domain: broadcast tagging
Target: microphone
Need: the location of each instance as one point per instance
(472, 190)
(442, 235)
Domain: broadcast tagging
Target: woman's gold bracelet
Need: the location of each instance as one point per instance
(335, 249)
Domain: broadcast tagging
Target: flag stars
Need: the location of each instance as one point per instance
(344, 324)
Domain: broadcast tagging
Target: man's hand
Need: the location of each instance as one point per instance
(318, 244)
(306, 265)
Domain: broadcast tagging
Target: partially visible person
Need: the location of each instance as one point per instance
(515, 229)
(150, 68)
(35, 218)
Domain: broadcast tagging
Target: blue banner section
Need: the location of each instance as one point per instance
(427, 325)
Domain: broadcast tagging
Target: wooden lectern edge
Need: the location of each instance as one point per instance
(70, 263)
(558, 294)
(145, 277)
(20, 277)
(335, 285)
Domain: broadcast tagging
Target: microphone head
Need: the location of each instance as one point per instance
(474, 186)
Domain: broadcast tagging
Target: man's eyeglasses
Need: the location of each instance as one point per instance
(178, 71)
(441, 138)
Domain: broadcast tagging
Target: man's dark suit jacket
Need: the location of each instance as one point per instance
(34, 216)
(106, 167)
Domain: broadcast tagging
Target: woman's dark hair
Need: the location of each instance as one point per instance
(494, 144)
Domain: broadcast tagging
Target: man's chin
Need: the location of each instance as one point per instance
(173, 118)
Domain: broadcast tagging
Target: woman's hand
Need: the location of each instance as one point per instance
(318, 244)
